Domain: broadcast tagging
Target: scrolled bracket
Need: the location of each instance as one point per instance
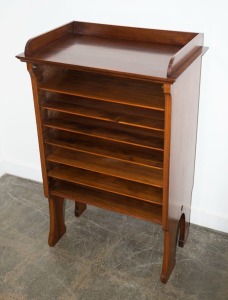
(35, 71)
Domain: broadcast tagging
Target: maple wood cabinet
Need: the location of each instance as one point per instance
(116, 110)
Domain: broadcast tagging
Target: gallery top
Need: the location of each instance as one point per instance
(157, 55)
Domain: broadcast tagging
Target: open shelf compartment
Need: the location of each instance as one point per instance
(96, 86)
(126, 205)
(107, 183)
(101, 110)
(106, 130)
(105, 148)
(107, 166)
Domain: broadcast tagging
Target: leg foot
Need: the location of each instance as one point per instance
(177, 234)
(57, 222)
(79, 208)
(169, 257)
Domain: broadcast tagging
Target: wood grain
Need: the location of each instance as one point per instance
(109, 149)
(106, 88)
(99, 129)
(100, 110)
(116, 110)
(107, 183)
(108, 166)
(121, 204)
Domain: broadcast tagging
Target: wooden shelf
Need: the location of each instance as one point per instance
(100, 110)
(106, 88)
(108, 166)
(106, 200)
(100, 147)
(108, 183)
(99, 129)
(116, 110)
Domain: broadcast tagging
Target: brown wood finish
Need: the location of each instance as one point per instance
(57, 219)
(126, 205)
(184, 54)
(116, 110)
(105, 148)
(95, 86)
(104, 130)
(168, 121)
(153, 36)
(153, 56)
(35, 82)
(108, 112)
(108, 183)
(39, 42)
(79, 208)
(182, 161)
(112, 167)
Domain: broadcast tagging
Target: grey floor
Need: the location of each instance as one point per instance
(103, 255)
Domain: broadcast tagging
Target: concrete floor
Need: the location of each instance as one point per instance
(103, 255)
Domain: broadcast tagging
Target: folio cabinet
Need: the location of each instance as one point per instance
(116, 111)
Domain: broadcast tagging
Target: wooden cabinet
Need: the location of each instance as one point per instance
(116, 111)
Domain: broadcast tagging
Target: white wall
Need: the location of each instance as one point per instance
(23, 19)
(2, 170)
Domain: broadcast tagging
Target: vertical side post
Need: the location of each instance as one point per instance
(169, 228)
(34, 79)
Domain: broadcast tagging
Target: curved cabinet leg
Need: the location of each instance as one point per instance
(79, 208)
(177, 234)
(169, 256)
(57, 219)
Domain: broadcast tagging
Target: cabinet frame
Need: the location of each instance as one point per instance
(116, 111)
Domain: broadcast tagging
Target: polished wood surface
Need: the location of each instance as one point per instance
(34, 81)
(126, 205)
(57, 219)
(181, 136)
(116, 110)
(118, 133)
(108, 183)
(147, 57)
(95, 86)
(101, 147)
(108, 112)
(79, 208)
(134, 52)
(113, 167)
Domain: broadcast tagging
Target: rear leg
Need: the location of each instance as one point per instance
(79, 208)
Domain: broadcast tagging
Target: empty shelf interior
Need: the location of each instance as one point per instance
(108, 88)
(110, 201)
(117, 113)
(106, 148)
(107, 183)
(106, 130)
(108, 166)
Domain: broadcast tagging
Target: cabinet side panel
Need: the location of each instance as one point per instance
(39, 126)
(184, 118)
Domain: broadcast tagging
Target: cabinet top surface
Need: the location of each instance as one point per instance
(135, 52)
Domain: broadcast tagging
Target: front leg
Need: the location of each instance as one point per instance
(57, 219)
(176, 235)
(169, 256)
